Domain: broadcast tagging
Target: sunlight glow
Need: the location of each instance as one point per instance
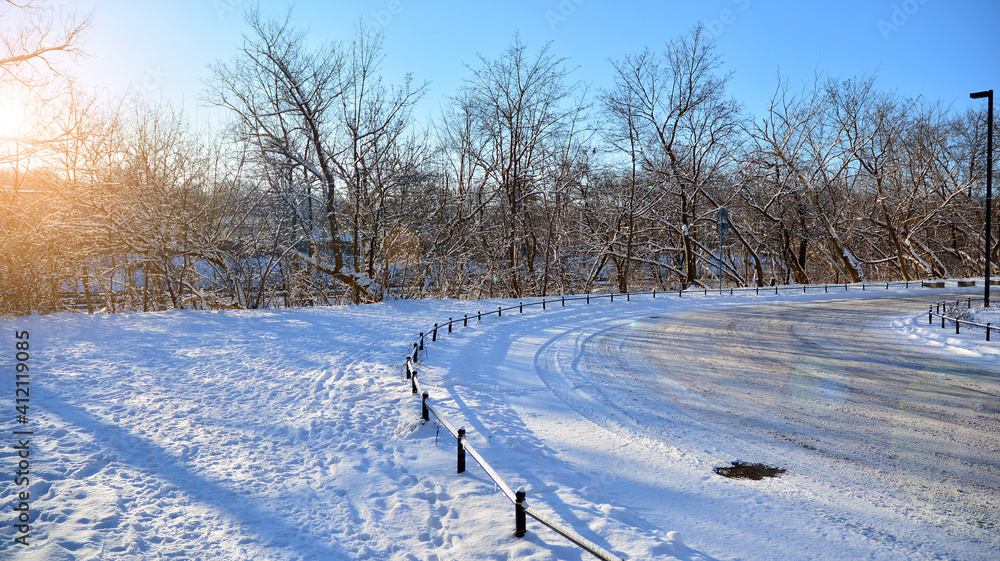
(13, 114)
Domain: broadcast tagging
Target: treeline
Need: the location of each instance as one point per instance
(324, 188)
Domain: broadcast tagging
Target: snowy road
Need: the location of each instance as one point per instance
(889, 446)
(289, 435)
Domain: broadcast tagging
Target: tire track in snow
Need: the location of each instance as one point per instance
(787, 397)
(885, 420)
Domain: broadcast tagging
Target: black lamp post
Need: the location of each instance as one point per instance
(989, 183)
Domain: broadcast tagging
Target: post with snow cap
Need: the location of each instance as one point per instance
(408, 368)
(416, 349)
(426, 413)
(434, 334)
(519, 518)
(413, 382)
(461, 450)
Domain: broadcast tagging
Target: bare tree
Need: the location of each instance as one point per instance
(35, 45)
(800, 151)
(522, 133)
(376, 153)
(316, 117)
(683, 129)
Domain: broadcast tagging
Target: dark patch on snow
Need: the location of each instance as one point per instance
(756, 472)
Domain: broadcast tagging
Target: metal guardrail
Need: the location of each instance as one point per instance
(931, 313)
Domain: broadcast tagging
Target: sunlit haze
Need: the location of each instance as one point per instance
(12, 114)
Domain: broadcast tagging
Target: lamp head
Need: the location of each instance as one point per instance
(980, 95)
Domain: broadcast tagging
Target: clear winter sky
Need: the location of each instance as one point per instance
(938, 49)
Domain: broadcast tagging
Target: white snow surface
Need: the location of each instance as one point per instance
(290, 434)
(990, 316)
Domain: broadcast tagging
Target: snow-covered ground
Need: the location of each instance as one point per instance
(289, 434)
(990, 316)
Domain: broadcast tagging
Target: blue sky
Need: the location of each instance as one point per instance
(937, 49)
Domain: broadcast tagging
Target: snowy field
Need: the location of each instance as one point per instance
(289, 434)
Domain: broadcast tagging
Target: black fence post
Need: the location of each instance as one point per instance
(408, 367)
(520, 307)
(654, 294)
(421, 341)
(930, 314)
(413, 382)
(612, 296)
(519, 517)
(465, 321)
(942, 321)
(628, 296)
(425, 411)
(449, 325)
(479, 316)
(543, 304)
(826, 288)
(588, 298)
(434, 334)
(461, 450)
(564, 301)
(845, 287)
(988, 331)
(958, 325)
(416, 349)
(499, 311)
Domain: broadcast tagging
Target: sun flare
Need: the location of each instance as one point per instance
(13, 114)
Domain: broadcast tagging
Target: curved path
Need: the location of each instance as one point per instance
(905, 438)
